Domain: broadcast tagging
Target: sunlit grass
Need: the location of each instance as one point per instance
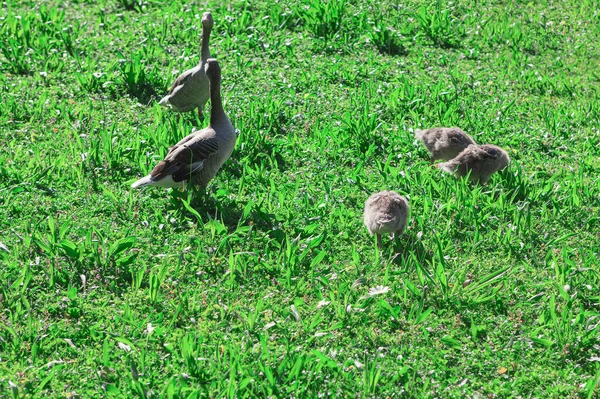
(270, 286)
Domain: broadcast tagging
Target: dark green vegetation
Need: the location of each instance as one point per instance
(262, 288)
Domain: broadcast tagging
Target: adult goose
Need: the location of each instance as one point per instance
(386, 212)
(444, 143)
(482, 161)
(198, 157)
(190, 89)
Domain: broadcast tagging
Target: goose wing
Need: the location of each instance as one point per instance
(183, 161)
(182, 79)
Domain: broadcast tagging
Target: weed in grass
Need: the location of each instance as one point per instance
(133, 5)
(324, 18)
(387, 40)
(440, 26)
(138, 80)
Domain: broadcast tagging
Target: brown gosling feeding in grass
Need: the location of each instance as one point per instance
(481, 160)
(444, 143)
(386, 212)
(190, 89)
(199, 156)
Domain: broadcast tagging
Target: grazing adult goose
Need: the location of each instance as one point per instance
(199, 155)
(444, 142)
(386, 212)
(481, 160)
(190, 89)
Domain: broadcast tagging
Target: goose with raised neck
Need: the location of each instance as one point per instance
(190, 89)
(197, 158)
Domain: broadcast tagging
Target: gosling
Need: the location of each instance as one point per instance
(444, 143)
(482, 161)
(386, 212)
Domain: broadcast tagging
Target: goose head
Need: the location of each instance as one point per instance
(207, 24)
(207, 20)
(213, 71)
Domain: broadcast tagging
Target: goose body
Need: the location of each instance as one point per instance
(198, 157)
(444, 143)
(191, 89)
(386, 212)
(481, 160)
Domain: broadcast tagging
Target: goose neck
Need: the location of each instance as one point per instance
(205, 51)
(216, 112)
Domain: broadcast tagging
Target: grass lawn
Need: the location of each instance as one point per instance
(270, 286)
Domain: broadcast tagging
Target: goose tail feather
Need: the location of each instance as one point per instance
(144, 181)
(164, 102)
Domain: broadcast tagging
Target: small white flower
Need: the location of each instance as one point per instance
(125, 347)
(358, 364)
(150, 328)
(322, 303)
(380, 289)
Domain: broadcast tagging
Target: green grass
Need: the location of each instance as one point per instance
(262, 288)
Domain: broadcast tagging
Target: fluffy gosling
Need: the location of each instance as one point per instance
(386, 212)
(444, 143)
(481, 160)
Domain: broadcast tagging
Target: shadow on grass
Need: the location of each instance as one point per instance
(214, 205)
(409, 246)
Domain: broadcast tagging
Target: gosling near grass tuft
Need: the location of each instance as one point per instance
(198, 157)
(386, 212)
(481, 160)
(190, 89)
(444, 143)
